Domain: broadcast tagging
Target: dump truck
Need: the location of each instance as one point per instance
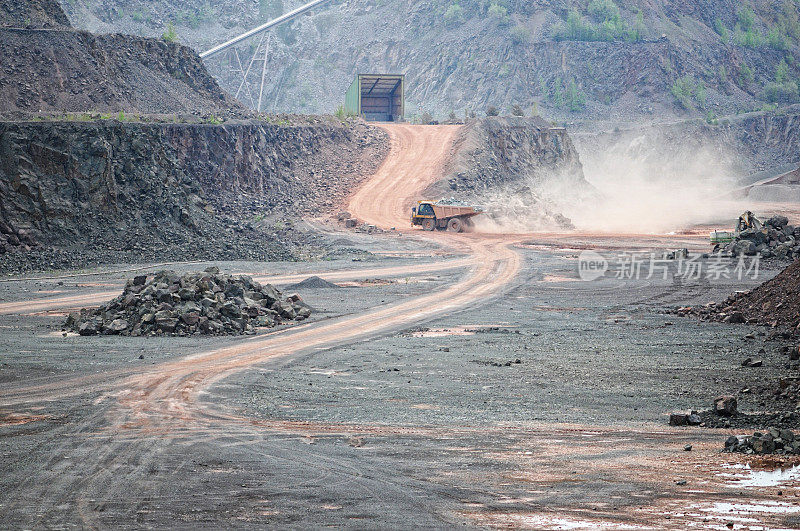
(444, 215)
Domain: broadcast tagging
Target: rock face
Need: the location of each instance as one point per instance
(476, 55)
(491, 152)
(119, 192)
(195, 303)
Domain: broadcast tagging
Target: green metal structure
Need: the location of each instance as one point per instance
(377, 97)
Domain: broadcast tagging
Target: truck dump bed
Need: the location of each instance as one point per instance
(449, 211)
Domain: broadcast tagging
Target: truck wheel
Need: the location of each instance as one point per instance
(455, 225)
(428, 224)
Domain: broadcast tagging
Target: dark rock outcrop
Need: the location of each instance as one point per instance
(119, 192)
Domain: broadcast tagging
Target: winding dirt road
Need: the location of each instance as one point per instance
(168, 391)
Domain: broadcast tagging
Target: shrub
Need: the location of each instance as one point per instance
(516, 110)
(452, 117)
(746, 18)
(684, 90)
(170, 35)
(748, 39)
(721, 30)
(426, 118)
(782, 72)
(454, 14)
(781, 92)
(602, 10)
(745, 75)
(498, 13)
(520, 35)
(776, 40)
(491, 110)
(610, 27)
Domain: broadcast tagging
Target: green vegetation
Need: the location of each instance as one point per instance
(454, 14)
(783, 89)
(722, 31)
(170, 35)
(606, 24)
(747, 35)
(498, 12)
(520, 35)
(687, 92)
(567, 96)
(745, 75)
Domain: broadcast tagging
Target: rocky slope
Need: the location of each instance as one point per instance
(627, 60)
(59, 69)
(32, 14)
(88, 192)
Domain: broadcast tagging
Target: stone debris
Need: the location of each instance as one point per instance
(773, 441)
(774, 303)
(194, 303)
(684, 418)
(775, 238)
(725, 406)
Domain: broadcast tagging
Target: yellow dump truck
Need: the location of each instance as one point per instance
(442, 215)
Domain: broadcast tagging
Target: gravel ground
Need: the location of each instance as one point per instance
(421, 428)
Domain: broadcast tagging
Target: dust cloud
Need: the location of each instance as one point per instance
(647, 188)
(636, 186)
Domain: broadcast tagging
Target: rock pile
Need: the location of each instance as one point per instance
(773, 441)
(776, 239)
(195, 303)
(774, 303)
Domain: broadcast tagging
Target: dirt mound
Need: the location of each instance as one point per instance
(312, 283)
(195, 303)
(70, 71)
(774, 303)
(32, 14)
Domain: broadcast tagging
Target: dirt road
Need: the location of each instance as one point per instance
(170, 444)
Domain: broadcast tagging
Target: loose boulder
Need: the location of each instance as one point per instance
(725, 406)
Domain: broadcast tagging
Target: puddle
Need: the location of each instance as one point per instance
(557, 278)
(545, 521)
(761, 478)
(749, 509)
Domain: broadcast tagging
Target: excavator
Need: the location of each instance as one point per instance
(451, 215)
